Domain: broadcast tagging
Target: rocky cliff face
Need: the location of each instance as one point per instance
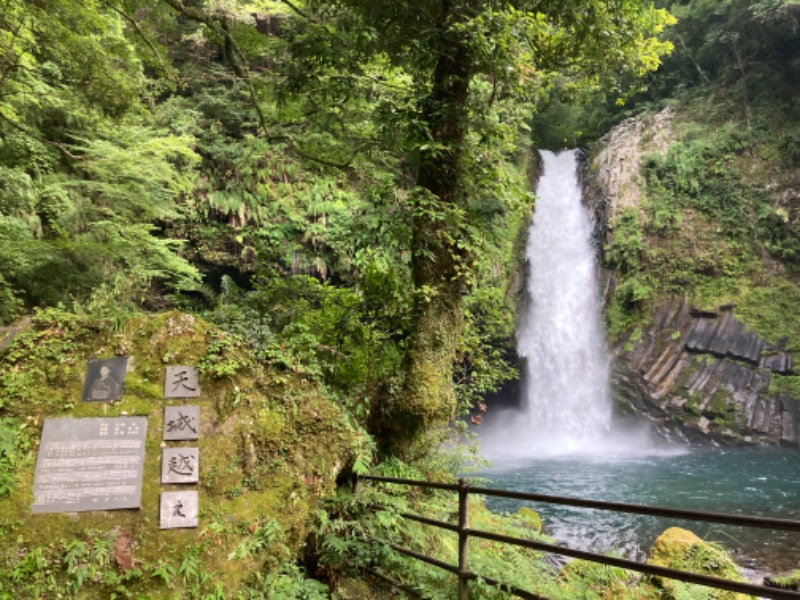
(702, 376)
(699, 375)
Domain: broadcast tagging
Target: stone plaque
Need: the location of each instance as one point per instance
(90, 464)
(180, 465)
(181, 382)
(179, 509)
(181, 423)
(104, 379)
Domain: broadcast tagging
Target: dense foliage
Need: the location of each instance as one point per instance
(719, 222)
(342, 182)
(340, 186)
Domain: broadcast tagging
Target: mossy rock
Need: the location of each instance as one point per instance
(681, 549)
(787, 581)
(271, 446)
(529, 519)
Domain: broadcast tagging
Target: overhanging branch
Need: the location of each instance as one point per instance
(219, 24)
(141, 34)
(40, 139)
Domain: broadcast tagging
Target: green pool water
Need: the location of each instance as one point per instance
(747, 481)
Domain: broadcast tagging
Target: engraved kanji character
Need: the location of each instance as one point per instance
(181, 464)
(180, 379)
(177, 508)
(181, 423)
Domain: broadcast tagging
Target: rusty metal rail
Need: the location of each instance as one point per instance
(461, 570)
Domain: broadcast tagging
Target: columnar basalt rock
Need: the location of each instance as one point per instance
(704, 375)
(699, 374)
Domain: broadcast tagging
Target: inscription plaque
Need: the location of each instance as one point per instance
(180, 465)
(90, 464)
(104, 379)
(181, 382)
(181, 423)
(179, 509)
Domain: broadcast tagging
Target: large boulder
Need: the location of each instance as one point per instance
(681, 549)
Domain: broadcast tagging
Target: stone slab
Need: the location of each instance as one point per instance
(90, 464)
(179, 509)
(181, 382)
(105, 379)
(181, 423)
(180, 465)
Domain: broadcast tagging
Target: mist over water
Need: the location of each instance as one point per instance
(563, 441)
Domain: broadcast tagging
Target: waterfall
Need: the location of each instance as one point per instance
(566, 400)
(566, 405)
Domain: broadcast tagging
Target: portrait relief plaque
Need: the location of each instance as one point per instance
(178, 509)
(180, 465)
(105, 379)
(181, 423)
(90, 464)
(181, 382)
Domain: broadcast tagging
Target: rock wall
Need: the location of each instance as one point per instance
(615, 167)
(702, 376)
(610, 174)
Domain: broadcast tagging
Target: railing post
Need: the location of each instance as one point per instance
(463, 538)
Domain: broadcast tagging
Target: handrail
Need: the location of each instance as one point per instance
(641, 509)
(464, 489)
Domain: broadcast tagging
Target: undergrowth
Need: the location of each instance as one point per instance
(712, 228)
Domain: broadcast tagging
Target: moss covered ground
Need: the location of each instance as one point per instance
(271, 446)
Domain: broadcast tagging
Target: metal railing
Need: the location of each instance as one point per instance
(464, 575)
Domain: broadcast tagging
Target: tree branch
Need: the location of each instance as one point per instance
(39, 139)
(326, 163)
(703, 75)
(297, 10)
(145, 39)
(221, 27)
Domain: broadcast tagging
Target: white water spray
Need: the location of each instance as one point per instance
(566, 402)
(566, 408)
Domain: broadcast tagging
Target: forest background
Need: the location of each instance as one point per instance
(342, 188)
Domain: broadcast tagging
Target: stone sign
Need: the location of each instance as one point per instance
(104, 379)
(181, 382)
(180, 465)
(90, 464)
(181, 423)
(179, 509)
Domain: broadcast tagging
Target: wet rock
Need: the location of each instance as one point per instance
(706, 375)
(698, 313)
(785, 581)
(790, 413)
(780, 362)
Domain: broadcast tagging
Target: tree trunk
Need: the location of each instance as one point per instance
(426, 396)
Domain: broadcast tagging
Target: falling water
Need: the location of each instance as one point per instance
(566, 406)
(562, 442)
(566, 399)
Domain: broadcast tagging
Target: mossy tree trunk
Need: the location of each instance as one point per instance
(426, 396)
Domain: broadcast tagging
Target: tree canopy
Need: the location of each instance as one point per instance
(351, 174)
